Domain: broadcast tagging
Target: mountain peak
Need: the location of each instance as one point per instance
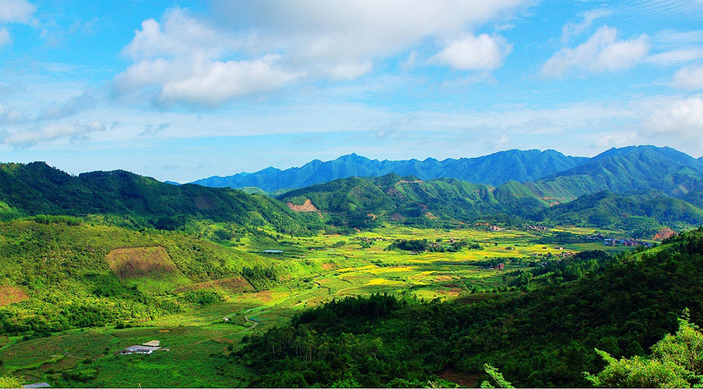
(660, 153)
(353, 157)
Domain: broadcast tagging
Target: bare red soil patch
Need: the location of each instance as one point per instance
(664, 233)
(234, 284)
(264, 296)
(307, 206)
(11, 294)
(464, 380)
(140, 262)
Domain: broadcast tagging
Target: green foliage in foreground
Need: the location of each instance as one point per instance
(676, 362)
(10, 382)
(542, 338)
(497, 377)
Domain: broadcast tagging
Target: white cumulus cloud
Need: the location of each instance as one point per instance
(16, 11)
(183, 58)
(204, 82)
(213, 82)
(250, 47)
(481, 52)
(690, 77)
(682, 120)
(71, 131)
(347, 30)
(13, 11)
(601, 52)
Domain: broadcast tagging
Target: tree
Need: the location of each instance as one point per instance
(497, 377)
(676, 361)
(10, 382)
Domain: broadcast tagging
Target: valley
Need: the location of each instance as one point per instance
(345, 194)
(309, 271)
(360, 281)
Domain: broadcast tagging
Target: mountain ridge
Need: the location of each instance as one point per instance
(636, 188)
(36, 188)
(518, 165)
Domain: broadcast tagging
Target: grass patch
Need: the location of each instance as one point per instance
(149, 268)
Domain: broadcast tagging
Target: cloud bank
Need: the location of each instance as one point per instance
(248, 47)
(690, 77)
(71, 131)
(601, 52)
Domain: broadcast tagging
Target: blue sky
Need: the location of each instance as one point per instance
(186, 90)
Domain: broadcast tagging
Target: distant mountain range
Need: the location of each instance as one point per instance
(629, 188)
(494, 169)
(633, 188)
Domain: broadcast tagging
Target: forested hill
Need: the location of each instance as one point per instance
(362, 203)
(634, 212)
(493, 169)
(622, 170)
(541, 338)
(636, 189)
(36, 188)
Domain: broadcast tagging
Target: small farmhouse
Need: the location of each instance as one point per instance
(146, 348)
(141, 349)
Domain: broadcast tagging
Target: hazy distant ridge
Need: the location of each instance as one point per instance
(493, 169)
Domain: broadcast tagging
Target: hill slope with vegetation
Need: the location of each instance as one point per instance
(67, 274)
(637, 189)
(363, 203)
(623, 170)
(547, 337)
(138, 201)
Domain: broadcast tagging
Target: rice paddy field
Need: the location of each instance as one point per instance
(311, 270)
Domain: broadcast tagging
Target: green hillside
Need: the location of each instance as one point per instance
(642, 212)
(362, 203)
(547, 337)
(67, 274)
(107, 251)
(359, 202)
(36, 188)
(623, 170)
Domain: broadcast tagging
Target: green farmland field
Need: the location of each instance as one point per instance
(311, 271)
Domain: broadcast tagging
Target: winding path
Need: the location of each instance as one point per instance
(256, 323)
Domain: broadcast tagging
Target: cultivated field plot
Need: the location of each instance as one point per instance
(149, 268)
